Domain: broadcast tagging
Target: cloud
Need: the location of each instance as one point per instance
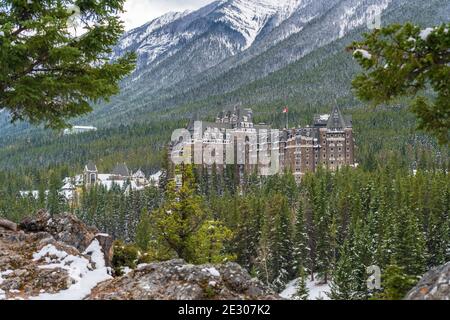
(139, 12)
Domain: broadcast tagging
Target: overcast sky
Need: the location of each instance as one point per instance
(142, 11)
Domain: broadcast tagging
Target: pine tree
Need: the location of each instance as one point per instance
(275, 263)
(322, 220)
(438, 226)
(402, 60)
(283, 262)
(48, 73)
(409, 249)
(54, 202)
(248, 232)
(302, 292)
(343, 282)
(396, 283)
(143, 231)
(209, 243)
(301, 243)
(181, 224)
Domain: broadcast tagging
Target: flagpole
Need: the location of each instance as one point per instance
(287, 117)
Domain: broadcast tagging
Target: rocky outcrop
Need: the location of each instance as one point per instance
(20, 276)
(8, 225)
(435, 285)
(51, 258)
(59, 258)
(177, 280)
(68, 229)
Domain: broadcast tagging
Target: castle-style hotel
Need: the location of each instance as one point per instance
(328, 143)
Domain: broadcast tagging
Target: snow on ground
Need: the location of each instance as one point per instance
(84, 274)
(316, 291)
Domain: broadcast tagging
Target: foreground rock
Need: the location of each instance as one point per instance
(176, 280)
(43, 260)
(435, 285)
(60, 258)
(70, 230)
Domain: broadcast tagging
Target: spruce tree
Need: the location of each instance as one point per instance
(301, 248)
(395, 283)
(302, 292)
(51, 71)
(343, 282)
(403, 60)
(143, 231)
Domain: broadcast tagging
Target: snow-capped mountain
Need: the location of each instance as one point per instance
(181, 51)
(187, 59)
(255, 53)
(250, 17)
(226, 27)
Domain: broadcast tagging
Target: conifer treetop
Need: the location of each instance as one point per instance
(54, 58)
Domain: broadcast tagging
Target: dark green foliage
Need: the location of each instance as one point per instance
(334, 227)
(342, 285)
(49, 75)
(396, 283)
(404, 60)
(124, 256)
(302, 288)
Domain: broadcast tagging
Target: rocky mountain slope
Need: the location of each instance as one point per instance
(60, 258)
(233, 45)
(180, 52)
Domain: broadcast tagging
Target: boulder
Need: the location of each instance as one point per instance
(177, 280)
(435, 285)
(48, 256)
(8, 225)
(68, 229)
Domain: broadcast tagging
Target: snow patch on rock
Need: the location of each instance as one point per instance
(84, 274)
(212, 271)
